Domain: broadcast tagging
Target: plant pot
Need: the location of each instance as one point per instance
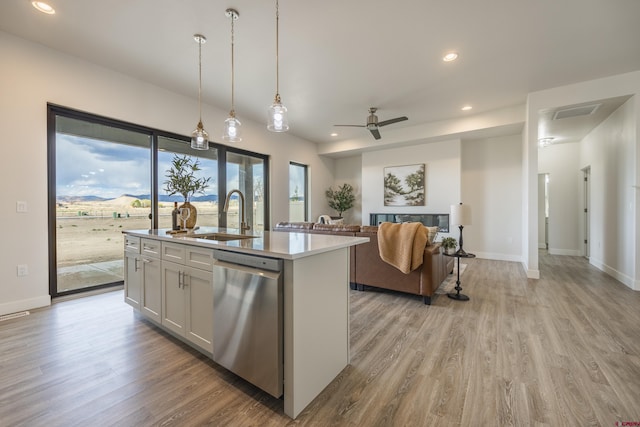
(193, 216)
(450, 251)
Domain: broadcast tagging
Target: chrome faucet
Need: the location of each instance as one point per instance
(243, 225)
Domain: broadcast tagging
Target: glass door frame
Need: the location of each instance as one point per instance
(54, 110)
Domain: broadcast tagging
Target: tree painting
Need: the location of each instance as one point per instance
(404, 185)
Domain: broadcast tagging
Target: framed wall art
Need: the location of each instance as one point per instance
(404, 185)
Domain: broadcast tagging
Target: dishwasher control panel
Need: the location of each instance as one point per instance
(263, 263)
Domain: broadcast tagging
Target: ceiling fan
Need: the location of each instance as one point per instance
(373, 124)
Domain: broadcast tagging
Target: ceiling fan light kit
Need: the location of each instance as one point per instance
(373, 124)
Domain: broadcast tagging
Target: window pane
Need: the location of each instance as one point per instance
(247, 174)
(297, 192)
(206, 203)
(102, 187)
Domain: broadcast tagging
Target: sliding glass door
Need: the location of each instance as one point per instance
(102, 186)
(246, 173)
(106, 176)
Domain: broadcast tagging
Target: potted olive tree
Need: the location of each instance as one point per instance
(181, 179)
(341, 199)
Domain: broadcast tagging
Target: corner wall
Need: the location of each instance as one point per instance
(491, 183)
(609, 150)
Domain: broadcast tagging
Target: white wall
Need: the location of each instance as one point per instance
(491, 185)
(610, 149)
(349, 170)
(561, 162)
(627, 248)
(33, 75)
(442, 176)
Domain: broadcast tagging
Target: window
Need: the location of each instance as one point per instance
(298, 200)
(106, 176)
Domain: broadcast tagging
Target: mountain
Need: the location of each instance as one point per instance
(162, 198)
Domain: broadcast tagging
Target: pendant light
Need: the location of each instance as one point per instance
(200, 137)
(232, 124)
(277, 114)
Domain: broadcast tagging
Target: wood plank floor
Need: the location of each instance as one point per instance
(560, 351)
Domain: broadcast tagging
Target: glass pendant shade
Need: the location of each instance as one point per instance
(277, 120)
(232, 130)
(200, 138)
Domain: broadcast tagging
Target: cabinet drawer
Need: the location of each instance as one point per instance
(150, 248)
(174, 252)
(131, 244)
(199, 258)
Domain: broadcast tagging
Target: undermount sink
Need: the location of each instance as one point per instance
(222, 237)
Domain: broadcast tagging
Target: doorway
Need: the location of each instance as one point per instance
(543, 211)
(587, 211)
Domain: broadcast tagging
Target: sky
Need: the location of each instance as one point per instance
(90, 167)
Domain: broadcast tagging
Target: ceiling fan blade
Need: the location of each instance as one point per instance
(375, 132)
(354, 126)
(391, 121)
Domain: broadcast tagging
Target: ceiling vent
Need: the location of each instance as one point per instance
(584, 110)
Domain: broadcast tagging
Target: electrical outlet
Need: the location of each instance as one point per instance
(21, 206)
(23, 270)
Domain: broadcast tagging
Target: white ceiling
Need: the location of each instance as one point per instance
(338, 58)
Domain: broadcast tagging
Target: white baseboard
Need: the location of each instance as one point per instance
(618, 275)
(25, 304)
(568, 252)
(498, 257)
(542, 246)
(533, 274)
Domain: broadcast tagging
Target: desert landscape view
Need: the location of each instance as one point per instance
(90, 241)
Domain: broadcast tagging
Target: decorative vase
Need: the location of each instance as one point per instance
(193, 216)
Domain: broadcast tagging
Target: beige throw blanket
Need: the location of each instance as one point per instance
(402, 245)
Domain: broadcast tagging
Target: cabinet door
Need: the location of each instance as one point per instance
(151, 300)
(173, 297)
(199, 294)
(132, 279)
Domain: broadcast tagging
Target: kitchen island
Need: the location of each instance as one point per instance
(170, 278)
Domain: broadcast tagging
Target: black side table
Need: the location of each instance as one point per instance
(457, 295)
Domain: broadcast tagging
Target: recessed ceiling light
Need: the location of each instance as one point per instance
(43, 7)
(334, 134)
(466, 108)
(451, 56)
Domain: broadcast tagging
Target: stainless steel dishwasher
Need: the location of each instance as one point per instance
(247, 318)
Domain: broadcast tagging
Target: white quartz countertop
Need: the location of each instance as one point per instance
(274, 244)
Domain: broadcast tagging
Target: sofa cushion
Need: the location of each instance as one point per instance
(301, 226)
(336, 228)
(432, 232)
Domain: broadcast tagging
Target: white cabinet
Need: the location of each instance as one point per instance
(151, 287)
(132, 271)
(142, 287)
(187, 293)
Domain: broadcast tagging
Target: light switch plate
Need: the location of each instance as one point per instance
(23, 270)
(21, 206)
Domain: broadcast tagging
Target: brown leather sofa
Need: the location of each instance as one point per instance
(368, 269)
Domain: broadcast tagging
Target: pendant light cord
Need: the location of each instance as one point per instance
(233, 109)
(200, 78)
(277, 52)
